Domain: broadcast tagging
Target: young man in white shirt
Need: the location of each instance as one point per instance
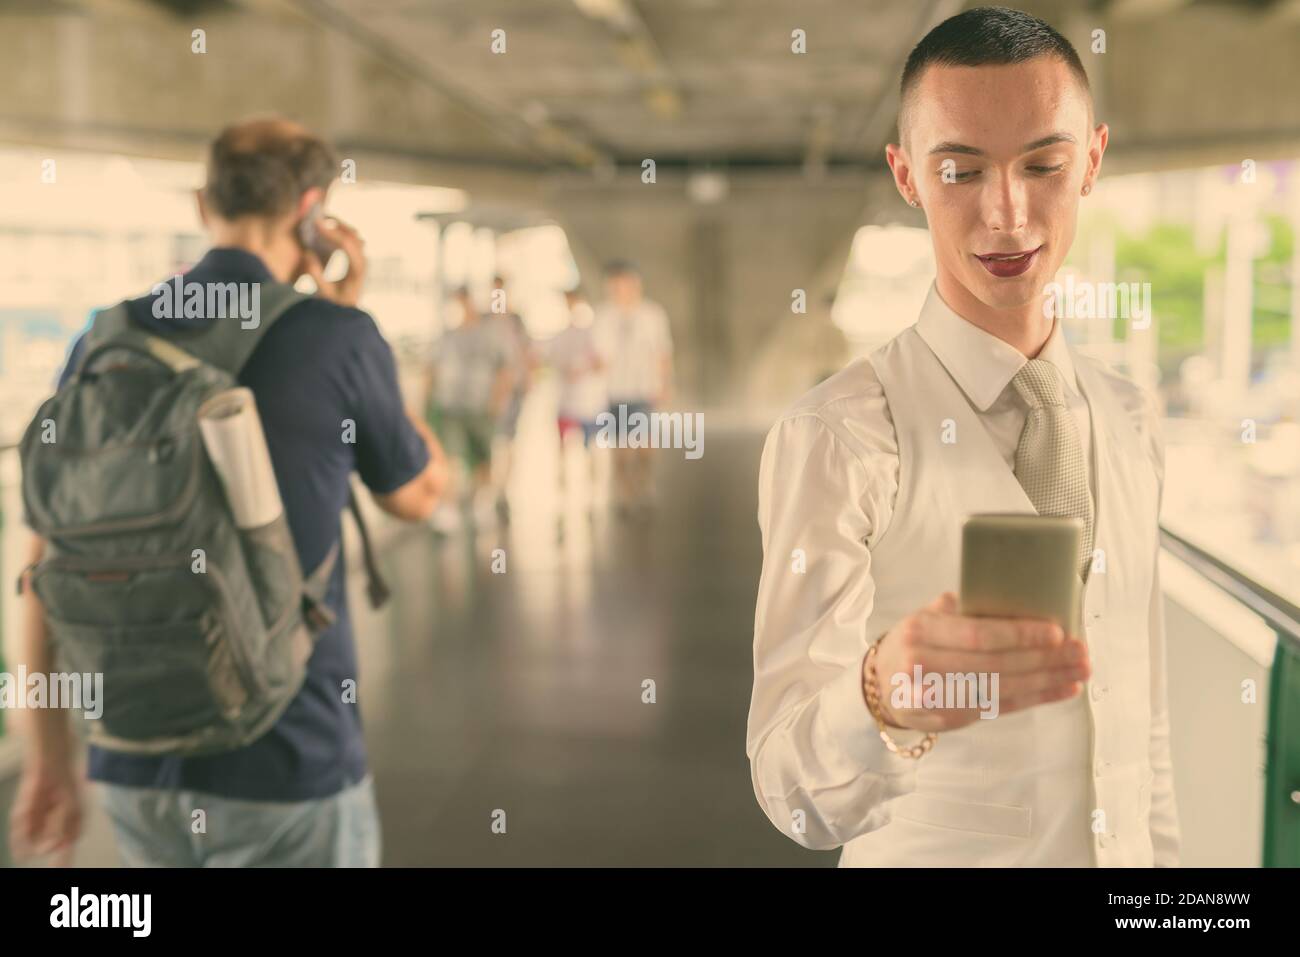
(866, 480)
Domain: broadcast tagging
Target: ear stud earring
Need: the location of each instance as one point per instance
(1087, 188)
(912, 202)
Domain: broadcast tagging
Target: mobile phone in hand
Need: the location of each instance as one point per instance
(310, 236)
(1021, 565)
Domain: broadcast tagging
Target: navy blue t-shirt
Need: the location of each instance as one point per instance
(320, 364)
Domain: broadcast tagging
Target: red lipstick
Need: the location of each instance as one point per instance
(1009, 264)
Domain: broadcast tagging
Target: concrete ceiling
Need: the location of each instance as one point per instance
(588, 84)
(691, 80)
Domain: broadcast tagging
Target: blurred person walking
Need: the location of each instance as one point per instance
(583, 395)
(634, 339)
(471, 375)
(509, 326)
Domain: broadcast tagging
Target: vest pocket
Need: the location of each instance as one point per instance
(1004, 819)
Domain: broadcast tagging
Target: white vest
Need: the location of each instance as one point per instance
(1062, 784)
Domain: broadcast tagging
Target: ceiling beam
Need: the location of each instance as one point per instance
(639, 52)
(541, 137)
(877, 129)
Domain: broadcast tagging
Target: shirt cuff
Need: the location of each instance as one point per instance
(853, 730)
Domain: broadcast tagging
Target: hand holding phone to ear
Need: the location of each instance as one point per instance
(346, 291)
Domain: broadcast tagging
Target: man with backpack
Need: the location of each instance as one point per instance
(233, 737)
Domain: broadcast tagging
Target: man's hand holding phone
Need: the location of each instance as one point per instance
(346, 291)
(1035, 661)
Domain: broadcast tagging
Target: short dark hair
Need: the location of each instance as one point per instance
(261, 166)
(986, 36)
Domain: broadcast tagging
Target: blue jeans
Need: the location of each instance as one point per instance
(160, 828)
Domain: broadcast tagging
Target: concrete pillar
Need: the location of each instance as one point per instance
(710, 301)
(725, 271)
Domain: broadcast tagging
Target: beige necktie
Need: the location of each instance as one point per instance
(1049, 459)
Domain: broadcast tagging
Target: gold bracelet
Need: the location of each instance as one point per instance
(869, 686)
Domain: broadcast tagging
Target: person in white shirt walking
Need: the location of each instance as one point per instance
(635, 341)
(981, 406)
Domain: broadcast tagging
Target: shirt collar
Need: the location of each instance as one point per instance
(219, 264)
(981, 363)
(233, 264)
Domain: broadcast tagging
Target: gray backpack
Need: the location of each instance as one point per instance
(201, 630)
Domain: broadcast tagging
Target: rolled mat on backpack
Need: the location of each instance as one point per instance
(232, 434)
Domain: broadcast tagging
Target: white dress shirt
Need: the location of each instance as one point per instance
(984, 365)
(583, 393)
(634, 344)
(828, 485)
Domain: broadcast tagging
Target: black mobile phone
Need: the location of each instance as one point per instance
(311, 238)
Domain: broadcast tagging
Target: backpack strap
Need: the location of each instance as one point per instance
(228, 344)
(112, 328)
(315, 585)
(376, 587)
(225, 343)
(315, 612)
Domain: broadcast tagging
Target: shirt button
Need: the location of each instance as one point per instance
(1098, 692)
(1100, 767)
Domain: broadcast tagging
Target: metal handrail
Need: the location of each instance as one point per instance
(1281, 837)
(1280, 614)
